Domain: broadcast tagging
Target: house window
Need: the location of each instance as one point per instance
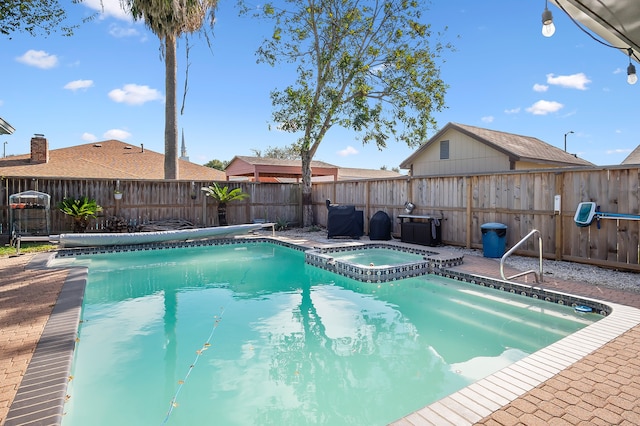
(444, 150)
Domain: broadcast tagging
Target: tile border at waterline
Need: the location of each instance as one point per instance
(36, 403)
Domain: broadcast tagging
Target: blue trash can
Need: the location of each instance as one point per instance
(494, 239)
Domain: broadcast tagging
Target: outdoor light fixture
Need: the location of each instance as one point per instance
(565, 139)
(548, 29)
(632, 78)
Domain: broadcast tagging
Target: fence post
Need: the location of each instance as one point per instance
(559, 220)
(469, 217)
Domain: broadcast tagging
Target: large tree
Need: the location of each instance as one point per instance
(289, 152)
(169, 20)
(365, 65)
(35, 17)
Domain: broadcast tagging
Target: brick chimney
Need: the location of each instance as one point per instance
(39, 149)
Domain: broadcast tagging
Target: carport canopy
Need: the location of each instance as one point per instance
(259, 168)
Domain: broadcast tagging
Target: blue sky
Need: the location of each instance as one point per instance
(107, 82)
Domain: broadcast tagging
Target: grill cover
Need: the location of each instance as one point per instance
(344, 221)
(380, 226)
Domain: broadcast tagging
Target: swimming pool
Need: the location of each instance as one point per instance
(252, 335)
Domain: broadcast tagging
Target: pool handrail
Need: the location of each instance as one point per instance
(537, 274)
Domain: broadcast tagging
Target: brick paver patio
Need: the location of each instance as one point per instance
(26, 300)
(601, 389)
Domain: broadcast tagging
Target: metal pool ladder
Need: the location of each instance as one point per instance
(538, 273)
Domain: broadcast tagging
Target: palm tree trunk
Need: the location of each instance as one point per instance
(222, 214)
(170, 110)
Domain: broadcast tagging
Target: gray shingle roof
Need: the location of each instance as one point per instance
(517, 147)
(634, 157)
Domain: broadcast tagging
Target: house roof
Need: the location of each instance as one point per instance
(633, 158)
(277, 170)
(349, 173)
(109, 159)
(258, 167)
(516, 147)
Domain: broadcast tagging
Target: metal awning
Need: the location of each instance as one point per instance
(617, 22)
(6, 128)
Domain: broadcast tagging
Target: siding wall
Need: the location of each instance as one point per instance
(465, 155)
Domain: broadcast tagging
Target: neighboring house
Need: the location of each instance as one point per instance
(350, 173)
(264, 169)
(110, 159)
(459, 148)
(633, 158)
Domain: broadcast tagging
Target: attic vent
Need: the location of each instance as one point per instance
(127, 147)
(97, 145)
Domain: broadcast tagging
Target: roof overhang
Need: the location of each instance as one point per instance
(6, 128)
(615, 21)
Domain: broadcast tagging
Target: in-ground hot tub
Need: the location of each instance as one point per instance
(378, 263)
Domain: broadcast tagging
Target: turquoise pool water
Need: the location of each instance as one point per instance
(250, 335)
(377, 257)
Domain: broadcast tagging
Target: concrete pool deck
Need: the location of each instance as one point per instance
(602, 387)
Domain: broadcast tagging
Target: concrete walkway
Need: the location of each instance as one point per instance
(601, 389)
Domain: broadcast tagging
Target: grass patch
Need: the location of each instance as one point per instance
(27, 247)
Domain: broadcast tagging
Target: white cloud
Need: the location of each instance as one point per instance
(574, 81)
(107, 8)
(38, 58)
(89, 137)
(487, 119)
(512, 110)
(618, 71)
(118, 31)
(117, 134)
(540, 87)
(347, 151)
(544, 107)
(619, 151)
(78, 84)
(134, 94)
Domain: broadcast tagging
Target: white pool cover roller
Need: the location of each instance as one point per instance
(117, 239)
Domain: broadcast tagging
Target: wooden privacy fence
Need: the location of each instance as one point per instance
(522, 200)
(145, 201)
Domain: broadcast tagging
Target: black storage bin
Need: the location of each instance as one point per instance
(428, 233)
(380, 226)
(344, 221)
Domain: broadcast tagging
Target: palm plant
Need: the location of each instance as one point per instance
(169, 20)
(81, 210)
(223, 195)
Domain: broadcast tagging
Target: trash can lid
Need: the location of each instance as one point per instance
(493, 225)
